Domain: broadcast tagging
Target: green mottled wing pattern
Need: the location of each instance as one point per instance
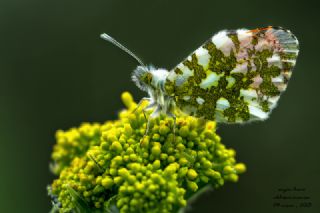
(236, 76)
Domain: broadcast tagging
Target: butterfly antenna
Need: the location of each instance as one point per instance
(116, 43)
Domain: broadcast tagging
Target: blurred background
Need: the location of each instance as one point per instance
(55, 73)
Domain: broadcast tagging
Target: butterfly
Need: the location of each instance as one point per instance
(236, 76)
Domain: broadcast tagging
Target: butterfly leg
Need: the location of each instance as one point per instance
(154, 114)
(147, 127)
(140, 102)
(148, 122)
(151, 105)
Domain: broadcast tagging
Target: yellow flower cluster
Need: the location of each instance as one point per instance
(113, 162)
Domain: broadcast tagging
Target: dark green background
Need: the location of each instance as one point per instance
(55, 73)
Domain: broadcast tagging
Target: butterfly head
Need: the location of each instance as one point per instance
(148, 77)
(142, 77)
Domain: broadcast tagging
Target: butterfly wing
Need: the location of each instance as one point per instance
(236, 76)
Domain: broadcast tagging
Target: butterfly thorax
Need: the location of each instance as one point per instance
(152, 81)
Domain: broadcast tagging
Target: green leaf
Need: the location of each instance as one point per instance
(81, 206)
(55, 208)
(110, 206)
(193, 199)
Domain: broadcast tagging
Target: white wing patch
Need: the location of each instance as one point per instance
(257, 113)
(231, 80)
(203, 57)
(223, 42)
(186, 73)
(211, 80)
(241, 68)
(222, 104)
(200, 100)
(275, 60)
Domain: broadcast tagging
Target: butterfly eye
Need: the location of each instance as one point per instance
(147, 78)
